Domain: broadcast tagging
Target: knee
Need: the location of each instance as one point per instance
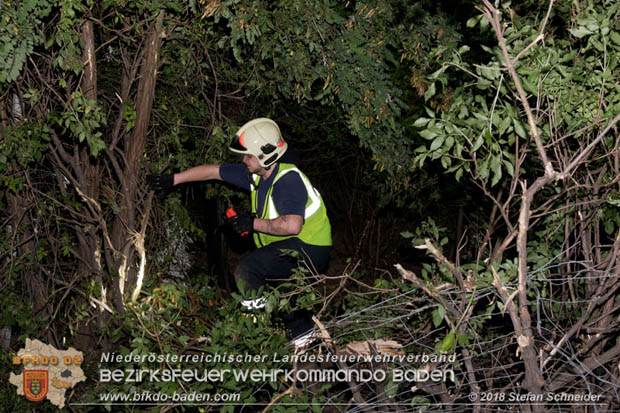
(242, 277)
(247, 278)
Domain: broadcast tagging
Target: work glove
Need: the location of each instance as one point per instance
(240, 222)
(163, 182)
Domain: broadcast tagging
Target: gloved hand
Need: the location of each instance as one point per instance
(163, 182)
(241, 222)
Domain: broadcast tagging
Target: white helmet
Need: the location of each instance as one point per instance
(260, 137)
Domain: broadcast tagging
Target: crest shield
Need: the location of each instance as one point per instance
(36, 384)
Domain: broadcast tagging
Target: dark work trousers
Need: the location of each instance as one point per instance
(272, 266)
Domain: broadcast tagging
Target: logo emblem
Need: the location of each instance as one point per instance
(36, 384)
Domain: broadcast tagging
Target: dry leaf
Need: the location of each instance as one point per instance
(390, 347)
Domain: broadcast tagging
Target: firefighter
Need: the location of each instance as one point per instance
(287, 214)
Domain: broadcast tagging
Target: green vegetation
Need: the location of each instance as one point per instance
(474, 143)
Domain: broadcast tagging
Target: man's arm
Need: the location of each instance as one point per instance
(283, 225)
(198, 173)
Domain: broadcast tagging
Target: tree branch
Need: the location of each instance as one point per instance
(492, 14)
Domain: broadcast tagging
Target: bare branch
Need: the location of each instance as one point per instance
(492, 14)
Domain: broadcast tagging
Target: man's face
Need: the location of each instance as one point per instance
(251, 162)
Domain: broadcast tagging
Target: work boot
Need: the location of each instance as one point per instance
(250, 306)
(304, 341)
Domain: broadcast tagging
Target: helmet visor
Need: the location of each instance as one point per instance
(237, 144)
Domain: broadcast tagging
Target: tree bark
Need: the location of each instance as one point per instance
(125, 231)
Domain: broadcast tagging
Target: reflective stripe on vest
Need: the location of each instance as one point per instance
(316, 229)
(313, 194)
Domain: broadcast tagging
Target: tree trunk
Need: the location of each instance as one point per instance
(89, 175)
(125, 232)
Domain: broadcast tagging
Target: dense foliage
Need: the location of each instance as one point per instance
(503, 114)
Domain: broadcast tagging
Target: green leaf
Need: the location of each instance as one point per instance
(458, 174)
(580, 32)
(509, 167)
(462, 340)
(430, 92)
(421, 122)
(428, 134)
(483, 169)
(473, 21)
(484, 24)
(529, 85)
(448, 342)
(391, 388)
(504, 125)
(438, 315)
(436, 73)
(437, 142)
(519, 129)
(449, 143)
(497, 169)
(478, 143)
(446, 161)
